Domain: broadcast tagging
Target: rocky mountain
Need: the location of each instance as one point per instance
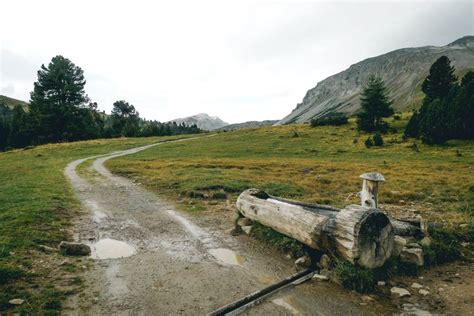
(203, 121)
(249, 124)
(403, 71)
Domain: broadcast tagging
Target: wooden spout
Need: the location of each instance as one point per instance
(370, 189)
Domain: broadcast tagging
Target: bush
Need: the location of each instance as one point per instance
(378, 140)
(219, 196)
(8, 273)
(445, 245)
(335, 120)
(368, 142)
(355, 278)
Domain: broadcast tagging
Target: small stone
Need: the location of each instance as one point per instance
(244, 221)
(303, 262)
(416, 285)
(412, 255)
(381, 283)
(320, 277)
(426, 241)
(413, 245)
(399, 292)
(16, 301)
(423, 292)
(325, 262)
(367, 298)
(74, 249)
(463, 225)
(398, 244)
(247, 229)
(440, 289)
(325, 272)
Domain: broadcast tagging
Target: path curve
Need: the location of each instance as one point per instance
(175, 263)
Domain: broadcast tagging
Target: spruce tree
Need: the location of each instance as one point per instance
(440, 79)
(375, 106)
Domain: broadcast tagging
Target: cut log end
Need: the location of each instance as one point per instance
(375, 240)
(362, 235)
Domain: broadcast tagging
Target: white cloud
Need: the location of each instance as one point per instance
(240, 60)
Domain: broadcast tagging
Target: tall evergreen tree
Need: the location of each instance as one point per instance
(125, 119)
(440, 79)
(58, 94)
(375, 106)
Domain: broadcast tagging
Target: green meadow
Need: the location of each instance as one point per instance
(320, 165)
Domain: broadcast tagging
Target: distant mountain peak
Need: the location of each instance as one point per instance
(202, 120)
(403, 71)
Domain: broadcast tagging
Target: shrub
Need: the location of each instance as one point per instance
(355, 278)
(445, 245)
(368, 142)
(8, 273)
(378, 140)
(335, 120)
(219, 196)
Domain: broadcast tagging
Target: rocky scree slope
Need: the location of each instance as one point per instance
(403, 71)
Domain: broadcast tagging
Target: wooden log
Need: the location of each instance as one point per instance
(359, 234)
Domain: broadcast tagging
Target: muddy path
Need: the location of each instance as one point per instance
(150, 259)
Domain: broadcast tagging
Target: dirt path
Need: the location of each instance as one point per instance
(176, 263)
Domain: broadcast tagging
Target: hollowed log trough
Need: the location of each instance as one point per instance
(361, 235)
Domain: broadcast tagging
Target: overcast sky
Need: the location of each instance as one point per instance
(239, 60)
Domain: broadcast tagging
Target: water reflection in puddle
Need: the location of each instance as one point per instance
(110, 248)
(227, 256)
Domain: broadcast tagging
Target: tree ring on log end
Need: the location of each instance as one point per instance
(374, 240)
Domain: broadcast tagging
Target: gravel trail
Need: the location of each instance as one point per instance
(150, 259)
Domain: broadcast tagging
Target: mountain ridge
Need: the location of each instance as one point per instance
(202, 120)
(403, 71)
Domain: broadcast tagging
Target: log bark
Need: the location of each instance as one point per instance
(359, 234)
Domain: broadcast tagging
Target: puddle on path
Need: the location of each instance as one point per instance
(110, 248)
(227, 256)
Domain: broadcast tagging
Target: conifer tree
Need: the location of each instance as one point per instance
(375, 106)
(58, 93)
(440, 79)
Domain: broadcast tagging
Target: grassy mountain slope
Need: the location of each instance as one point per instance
(402, 70)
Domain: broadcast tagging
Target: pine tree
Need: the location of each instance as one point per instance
(58, 93)
(440, 79)
(125, 119)
(375, 106)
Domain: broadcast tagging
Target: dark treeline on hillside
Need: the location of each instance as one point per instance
(447, 111)
(60, 111)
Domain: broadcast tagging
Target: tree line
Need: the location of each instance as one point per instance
(447, 111)
(60, 111)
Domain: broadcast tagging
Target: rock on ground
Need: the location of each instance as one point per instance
(74, 249)
(303, 262)
(325, 262)
(413, 255)
(399, 292)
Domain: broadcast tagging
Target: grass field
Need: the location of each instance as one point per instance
(320, 165)
(36, 206)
